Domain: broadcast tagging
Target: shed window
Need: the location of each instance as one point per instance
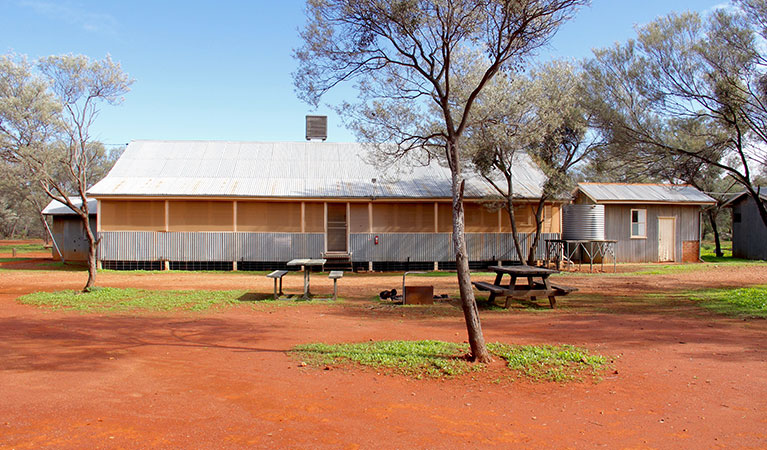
(638, 223)
(736, 217)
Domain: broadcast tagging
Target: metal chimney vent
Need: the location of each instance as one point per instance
(316, 127)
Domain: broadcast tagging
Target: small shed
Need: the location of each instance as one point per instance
(649, 222)
(749, 235)
(67, 230)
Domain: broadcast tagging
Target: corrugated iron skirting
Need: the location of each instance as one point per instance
(217, 246)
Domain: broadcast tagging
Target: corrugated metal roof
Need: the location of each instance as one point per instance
(643, 193)
(56, 208)
(288, 169)
(762, 190)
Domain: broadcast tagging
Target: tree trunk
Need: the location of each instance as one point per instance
(46, 238)
(468, 302)
(712, 219)
(92, 243)
(538, 227)
(514, 237)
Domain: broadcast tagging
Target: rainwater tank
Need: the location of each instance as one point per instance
(583, 222)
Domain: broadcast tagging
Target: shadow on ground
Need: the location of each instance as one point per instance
(85, 342)
(644, 322)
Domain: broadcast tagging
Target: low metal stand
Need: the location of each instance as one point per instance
(565, 250)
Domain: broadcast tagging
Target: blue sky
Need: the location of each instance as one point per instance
(221, 70)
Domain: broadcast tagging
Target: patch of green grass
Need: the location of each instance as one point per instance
(70, 266)
(694, 267)
(729, 260)
(130, 299)
(43, 267)
(636, 270)
(136, 272)
(559, 363)
(450, 273)
(671, 269)
(708, 254)
(160, 272)
(412, 358)
(114, 299)
(751, 301)
(433, 274)
(22, 248)
(708, 249)
(438, 359)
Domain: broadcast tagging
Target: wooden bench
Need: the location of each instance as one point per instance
(277, 275)
(524, 292)
(559, 290)
(335, 275)
(485, 286)
(563, 290)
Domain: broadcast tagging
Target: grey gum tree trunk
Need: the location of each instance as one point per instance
(468, 302)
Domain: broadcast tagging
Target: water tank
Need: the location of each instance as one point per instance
(583, 222)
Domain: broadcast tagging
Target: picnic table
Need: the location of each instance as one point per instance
(307, 263)
(538, 284)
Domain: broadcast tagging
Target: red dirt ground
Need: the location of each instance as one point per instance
(222, 379)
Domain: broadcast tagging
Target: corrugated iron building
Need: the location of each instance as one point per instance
(67, 229)
(749, 235)
(203, 203)
(650, 222)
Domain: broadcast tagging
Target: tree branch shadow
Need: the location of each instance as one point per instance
(86, 343)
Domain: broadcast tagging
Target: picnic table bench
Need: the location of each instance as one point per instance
(531, 290)
(277, 275)
(335, 275)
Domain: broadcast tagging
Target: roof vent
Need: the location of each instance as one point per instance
(316, 127)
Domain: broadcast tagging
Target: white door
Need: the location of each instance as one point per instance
(666, 244)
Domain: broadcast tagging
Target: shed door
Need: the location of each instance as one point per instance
(336, 227)
(666, 244)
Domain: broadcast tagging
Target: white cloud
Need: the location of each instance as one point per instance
(74, 14)
(728, 6)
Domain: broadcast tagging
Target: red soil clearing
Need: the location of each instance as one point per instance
(222, 379)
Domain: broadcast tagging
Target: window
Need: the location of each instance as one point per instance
(736, 217)
(523, 215)
(638, 223)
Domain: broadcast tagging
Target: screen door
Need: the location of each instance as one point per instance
(337, 227)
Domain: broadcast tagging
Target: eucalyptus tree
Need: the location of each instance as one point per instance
(689, 86)
(756, 10)
(11, 198)
(19, 198)
(709, 179)
(46, 113)
(542, 114)
(495, 139)
(401, 54)
(562, 136)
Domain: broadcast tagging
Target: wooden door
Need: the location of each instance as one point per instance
(337, 227)
(666, 239)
